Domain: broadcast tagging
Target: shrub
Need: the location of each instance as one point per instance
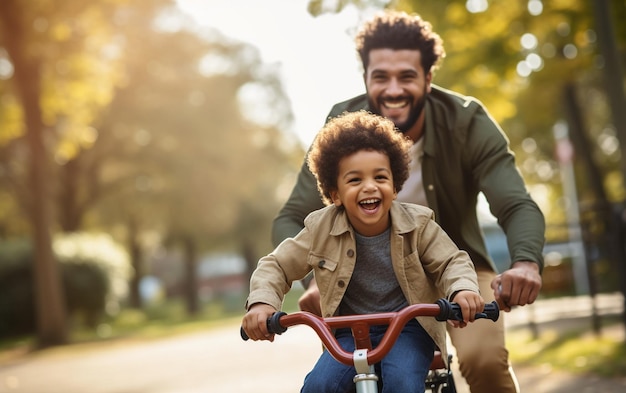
(94, 271)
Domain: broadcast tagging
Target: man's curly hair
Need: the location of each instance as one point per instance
(349, 133)
(399, 30)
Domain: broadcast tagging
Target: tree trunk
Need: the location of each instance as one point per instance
(191, 277)
(136, 261)
(70, 216)
(50, 305)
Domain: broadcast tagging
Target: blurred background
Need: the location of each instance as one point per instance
(145, 147)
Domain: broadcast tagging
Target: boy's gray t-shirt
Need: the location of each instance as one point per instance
(373, 286)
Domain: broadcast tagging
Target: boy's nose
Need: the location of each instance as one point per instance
(371, 185)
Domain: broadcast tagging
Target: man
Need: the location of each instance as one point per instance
(458, 152)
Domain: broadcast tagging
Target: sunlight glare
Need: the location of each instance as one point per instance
(315, 57)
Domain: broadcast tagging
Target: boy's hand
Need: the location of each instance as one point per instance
(255, 322)
(471, 303)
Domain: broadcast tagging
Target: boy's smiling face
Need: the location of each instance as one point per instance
(365, 189)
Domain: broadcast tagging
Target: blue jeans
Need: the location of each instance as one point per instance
(404, 369)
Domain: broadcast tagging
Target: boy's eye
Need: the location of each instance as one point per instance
(354, 180)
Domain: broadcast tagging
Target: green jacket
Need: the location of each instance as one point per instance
(465, 152)
(426, 262)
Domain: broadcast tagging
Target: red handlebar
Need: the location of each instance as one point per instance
(360, 325)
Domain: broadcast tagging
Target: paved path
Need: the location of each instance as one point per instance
(218, 361)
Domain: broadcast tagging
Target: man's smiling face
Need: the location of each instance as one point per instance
(397, 86)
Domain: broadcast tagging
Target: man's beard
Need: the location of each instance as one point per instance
(414, 113)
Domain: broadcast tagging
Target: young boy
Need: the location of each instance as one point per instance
(369, 254)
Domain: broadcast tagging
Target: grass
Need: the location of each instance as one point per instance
(163, 320)
(576, 350)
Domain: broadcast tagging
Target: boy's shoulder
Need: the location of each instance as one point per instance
(415, 209)
(407, 216)
(320, 214)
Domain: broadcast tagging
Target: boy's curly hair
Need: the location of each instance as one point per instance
(349, 133)
(399, 30)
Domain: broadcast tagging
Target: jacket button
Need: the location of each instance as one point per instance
(431, 187)
(321, 263)
(341, 284)
(350, 253)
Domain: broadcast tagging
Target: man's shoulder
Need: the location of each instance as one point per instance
(456, 112)
(350, 105)
(449, 97)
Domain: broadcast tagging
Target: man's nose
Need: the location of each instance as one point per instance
(394, 88)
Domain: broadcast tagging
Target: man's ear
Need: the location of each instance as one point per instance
(429, 80)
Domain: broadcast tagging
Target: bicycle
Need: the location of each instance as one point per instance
(440, 378)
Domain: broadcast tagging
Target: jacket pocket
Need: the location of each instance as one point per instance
(321, 263)
(324, 269)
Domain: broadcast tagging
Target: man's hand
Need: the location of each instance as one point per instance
(310, 299)
(517, 286)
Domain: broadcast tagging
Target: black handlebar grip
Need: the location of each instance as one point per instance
(453, 311)
(273, 326)
(273, 323)
(243, 334)
(491, 311)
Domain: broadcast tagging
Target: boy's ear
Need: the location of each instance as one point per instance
(334, 196)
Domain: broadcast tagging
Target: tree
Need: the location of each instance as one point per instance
(28, 67)
(165, 142)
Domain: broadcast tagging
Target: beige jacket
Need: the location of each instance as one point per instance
(428, 265)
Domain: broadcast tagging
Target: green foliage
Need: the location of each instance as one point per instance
(17, 315)
(103, 253)
(94, 274)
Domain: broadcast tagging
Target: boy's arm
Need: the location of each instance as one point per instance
(255, 321)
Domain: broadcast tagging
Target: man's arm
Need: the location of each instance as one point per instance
(304, 199)
(517, 213)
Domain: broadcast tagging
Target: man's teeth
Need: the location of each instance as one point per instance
(395, 105)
